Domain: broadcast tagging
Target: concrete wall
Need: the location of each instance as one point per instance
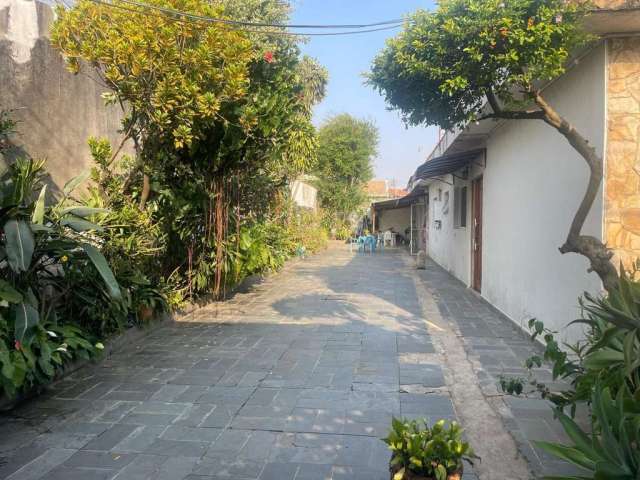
(397, 220)
(57, 111)
(622, 169)
(533, 184)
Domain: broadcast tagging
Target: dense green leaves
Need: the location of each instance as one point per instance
(347, 146)
(430, 452)
(612, 450)
(440, 68)
(40, 281)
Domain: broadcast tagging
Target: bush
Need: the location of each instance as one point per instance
(48, 254)
(603, 373)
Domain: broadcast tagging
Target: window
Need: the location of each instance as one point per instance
(460, 207)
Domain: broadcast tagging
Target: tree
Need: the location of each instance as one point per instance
(346, 146)
(487, 59)
(219, 115)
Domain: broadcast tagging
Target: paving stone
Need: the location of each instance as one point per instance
(42, 465)
(74, 473)
(110, 438)
(298, 378)
(140, 439)
(176, 448)
(107, 460)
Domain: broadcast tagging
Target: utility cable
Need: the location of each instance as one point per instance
(179, 16)
(258, 24)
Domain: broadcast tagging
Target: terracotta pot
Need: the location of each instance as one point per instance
(412, 476)
(145, 314)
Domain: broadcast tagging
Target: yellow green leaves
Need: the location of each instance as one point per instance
(170, 72)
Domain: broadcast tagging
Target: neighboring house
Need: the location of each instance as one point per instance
(56, 110)
(377, 190)
(498, 197)
(304, 194)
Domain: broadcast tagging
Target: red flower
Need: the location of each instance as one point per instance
(268, 57)
(18, 345)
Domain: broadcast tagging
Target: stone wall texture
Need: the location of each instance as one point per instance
(622, 201)
(56, 111)
(616, 4)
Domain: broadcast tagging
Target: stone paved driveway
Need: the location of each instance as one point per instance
(296, 380)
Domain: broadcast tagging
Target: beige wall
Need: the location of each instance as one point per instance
(397, 220)
(622, 199)
(56, 111)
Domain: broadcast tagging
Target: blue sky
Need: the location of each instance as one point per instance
(347, 58)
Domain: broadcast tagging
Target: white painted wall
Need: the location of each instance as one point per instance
(533, 183)
(449, 246)
(397, 219)
(304, 194)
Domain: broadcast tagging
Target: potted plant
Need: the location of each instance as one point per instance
(423, 453)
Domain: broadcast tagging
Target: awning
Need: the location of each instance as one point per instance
(446, 164)
(414, 197)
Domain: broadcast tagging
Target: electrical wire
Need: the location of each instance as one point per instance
(260, 24)
(179, 16)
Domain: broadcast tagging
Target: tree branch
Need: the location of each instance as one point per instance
(498, 111)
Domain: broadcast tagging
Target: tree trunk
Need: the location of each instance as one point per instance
(146, 190)
(591, 247)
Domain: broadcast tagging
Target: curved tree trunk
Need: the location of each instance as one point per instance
(590, 247)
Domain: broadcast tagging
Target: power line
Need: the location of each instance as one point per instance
(178, 15)
(260, 24)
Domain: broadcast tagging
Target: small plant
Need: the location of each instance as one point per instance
(420, 452)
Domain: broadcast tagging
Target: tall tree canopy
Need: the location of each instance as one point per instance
(218, 114)
(346, 148)
(476, 59)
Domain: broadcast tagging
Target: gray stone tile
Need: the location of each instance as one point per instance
(176, 448)
(91, 459)
(110, 438)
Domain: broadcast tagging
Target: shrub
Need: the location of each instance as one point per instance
(434, 452)
(46, 255)
(603, 373)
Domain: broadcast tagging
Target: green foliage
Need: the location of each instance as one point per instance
(43, 251)
(203, 67)
(439, 70)
(7, 128)
(346, 148)
(603, 372)
(428, 452)
(221, 122)
(612, 450)
(134, 243)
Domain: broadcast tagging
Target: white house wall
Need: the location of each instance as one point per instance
(449, 246)
(533, 183)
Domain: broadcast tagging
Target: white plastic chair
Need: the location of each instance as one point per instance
(390, 238)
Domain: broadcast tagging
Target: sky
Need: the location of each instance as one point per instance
(401, 150)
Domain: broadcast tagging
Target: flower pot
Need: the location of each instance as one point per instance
(408, 475)
(145, 314)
